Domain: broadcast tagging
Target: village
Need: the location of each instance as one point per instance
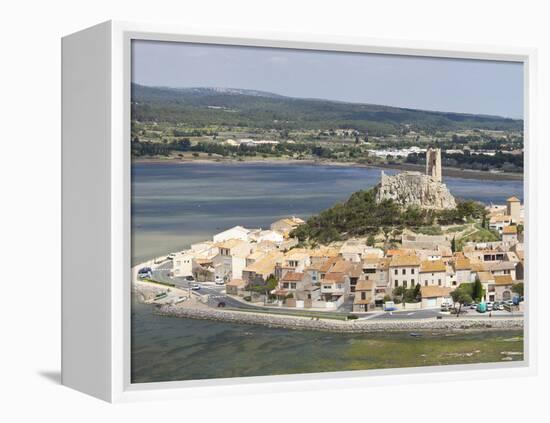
(268, 268)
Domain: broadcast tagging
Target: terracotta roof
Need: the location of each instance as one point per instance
(434, 291)
(503, 280)
(292, 277)
(342, 266)
(265, 265)
(398, 252)
(404, 260)
(333, 278)
(237, 283)
(365, 285)
(478, 266)
(513, 200)
(230, 243)
(431, 266)
(356, 270)
(325, 267)
(485, 277)
(512, 229)
(462, 263)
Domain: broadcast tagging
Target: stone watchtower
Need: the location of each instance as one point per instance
(433, 163)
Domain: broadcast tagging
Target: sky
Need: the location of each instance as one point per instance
(451, 85)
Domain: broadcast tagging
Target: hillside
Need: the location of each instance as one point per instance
(362, 215)
(248, 108)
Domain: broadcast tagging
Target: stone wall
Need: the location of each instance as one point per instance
(415, 189)
(351, 326)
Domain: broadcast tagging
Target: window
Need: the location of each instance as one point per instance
(327, 286)
(454, 283)
(285, 285)
(425, 283)
(404, 284)
(363, 295)
(412, 282)
(395, 271)
(293, 285)
(439, 282)
(339, 286)
(404, 271)
(412, 271)
(396, 283)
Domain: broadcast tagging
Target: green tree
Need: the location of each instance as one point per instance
(518, 288)
(453, 245)
(477, 290)
(461, 297)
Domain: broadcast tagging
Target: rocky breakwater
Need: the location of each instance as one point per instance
(415, 189)
(350, 326)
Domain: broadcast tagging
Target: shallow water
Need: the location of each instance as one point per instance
(170, 348)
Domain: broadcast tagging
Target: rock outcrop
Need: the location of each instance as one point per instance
(415, 189)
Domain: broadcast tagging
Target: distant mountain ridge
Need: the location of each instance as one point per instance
(269, 110)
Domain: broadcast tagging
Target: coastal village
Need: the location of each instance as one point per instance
(269, 268)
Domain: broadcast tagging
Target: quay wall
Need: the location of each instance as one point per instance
(350, 326)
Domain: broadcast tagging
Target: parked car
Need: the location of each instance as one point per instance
(500, 306)
(489, 306)
(195, 286)
(190, 279)
(145, 272)
(473, 306)
(218, 280)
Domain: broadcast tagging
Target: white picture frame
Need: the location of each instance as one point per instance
(96, 213)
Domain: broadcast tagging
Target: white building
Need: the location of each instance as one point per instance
(236, 232)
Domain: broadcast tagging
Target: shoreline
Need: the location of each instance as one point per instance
(350, 326)
(447, 171)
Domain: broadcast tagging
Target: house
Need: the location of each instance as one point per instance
(258, 272)
(510, 235)
(503, 287)
(432, 272)
(334, 287)
(364, 295)
(295, 260)
(463, 270)
(433, 296)
(292, 281)
(403, 270)
(286, 225)
(267, 235)
(352, 250)
(502, 268)
(488, 282)
(236, 287)
(231, 258)
(513, 209)
(498, 222)
(236, 232)
(183, 264)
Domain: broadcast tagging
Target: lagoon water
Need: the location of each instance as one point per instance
(174, 205)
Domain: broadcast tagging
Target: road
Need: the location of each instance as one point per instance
(216, 294)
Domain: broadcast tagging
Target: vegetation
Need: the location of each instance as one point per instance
(203, 107)
(410, 295)
(518, 288)
(463, 295)
(361, 215)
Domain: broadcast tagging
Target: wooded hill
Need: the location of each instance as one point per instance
(203, 107)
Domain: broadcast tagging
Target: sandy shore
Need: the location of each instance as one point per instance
(447, 171)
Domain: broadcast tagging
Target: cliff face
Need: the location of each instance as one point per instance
(414, 188)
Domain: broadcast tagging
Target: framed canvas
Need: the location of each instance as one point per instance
(262, 212)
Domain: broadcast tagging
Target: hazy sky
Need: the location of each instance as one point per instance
(468, 86)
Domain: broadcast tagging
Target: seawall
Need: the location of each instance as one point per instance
(350, 326)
